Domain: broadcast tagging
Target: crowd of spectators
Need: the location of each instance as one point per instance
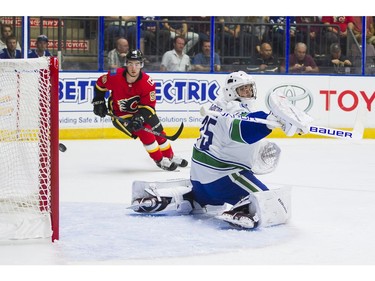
(10, 47)
(253, 44)
(211, 44)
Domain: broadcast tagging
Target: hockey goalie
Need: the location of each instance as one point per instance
(230, 151)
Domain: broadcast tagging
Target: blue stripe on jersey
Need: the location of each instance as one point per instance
(249, 132)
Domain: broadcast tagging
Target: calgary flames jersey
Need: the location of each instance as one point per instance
(125, 97)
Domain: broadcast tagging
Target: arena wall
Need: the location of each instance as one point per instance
(333, 101)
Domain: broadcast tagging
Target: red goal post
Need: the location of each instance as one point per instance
(29, 148)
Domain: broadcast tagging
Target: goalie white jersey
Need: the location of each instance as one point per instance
(231, 149)
(227, 145)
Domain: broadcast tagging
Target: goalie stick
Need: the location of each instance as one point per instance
(172, 137)
(356, 134)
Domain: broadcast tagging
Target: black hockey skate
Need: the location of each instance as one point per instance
(239, 219)
(166, 164)
(179, 161)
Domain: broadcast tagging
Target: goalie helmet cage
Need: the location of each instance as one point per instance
(29, 152)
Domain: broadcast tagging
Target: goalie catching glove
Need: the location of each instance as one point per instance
(293, 120)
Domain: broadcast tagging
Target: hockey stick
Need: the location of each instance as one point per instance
(356, 134)
(172, 138)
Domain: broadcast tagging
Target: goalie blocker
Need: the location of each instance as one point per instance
(267, 208)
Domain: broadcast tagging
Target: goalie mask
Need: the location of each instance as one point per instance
(239, 86)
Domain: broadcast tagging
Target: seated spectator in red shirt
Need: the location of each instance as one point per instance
(300, 62)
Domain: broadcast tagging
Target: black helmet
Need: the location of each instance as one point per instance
(134, 55)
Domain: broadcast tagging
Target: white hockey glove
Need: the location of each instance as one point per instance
(290, 129)
(293, 120)
(275, 122)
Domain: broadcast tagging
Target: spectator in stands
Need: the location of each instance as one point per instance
(356, 55)
(264, 61)
(177, 26)
(370, 51)
(336, 62)
(41, 48)
(276, 34)
(176, 59)
(338, 34)
(370, 59)
(118, 27)
(116, 57)
(235, 39)
(260, 26)
(200, 25)
(10, 52)
(6, 31)
(227, 35)
(156, 39)
(250, 37)
(202, 60)
(308, 30)
(300, 62)
(357, 29)
(372, 38)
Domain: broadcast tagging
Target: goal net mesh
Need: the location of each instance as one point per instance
(25, 163)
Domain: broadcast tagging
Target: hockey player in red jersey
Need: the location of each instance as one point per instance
(133, 98)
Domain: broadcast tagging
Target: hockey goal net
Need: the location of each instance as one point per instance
(29, 148)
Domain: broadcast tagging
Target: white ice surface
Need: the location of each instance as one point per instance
(333, 209)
